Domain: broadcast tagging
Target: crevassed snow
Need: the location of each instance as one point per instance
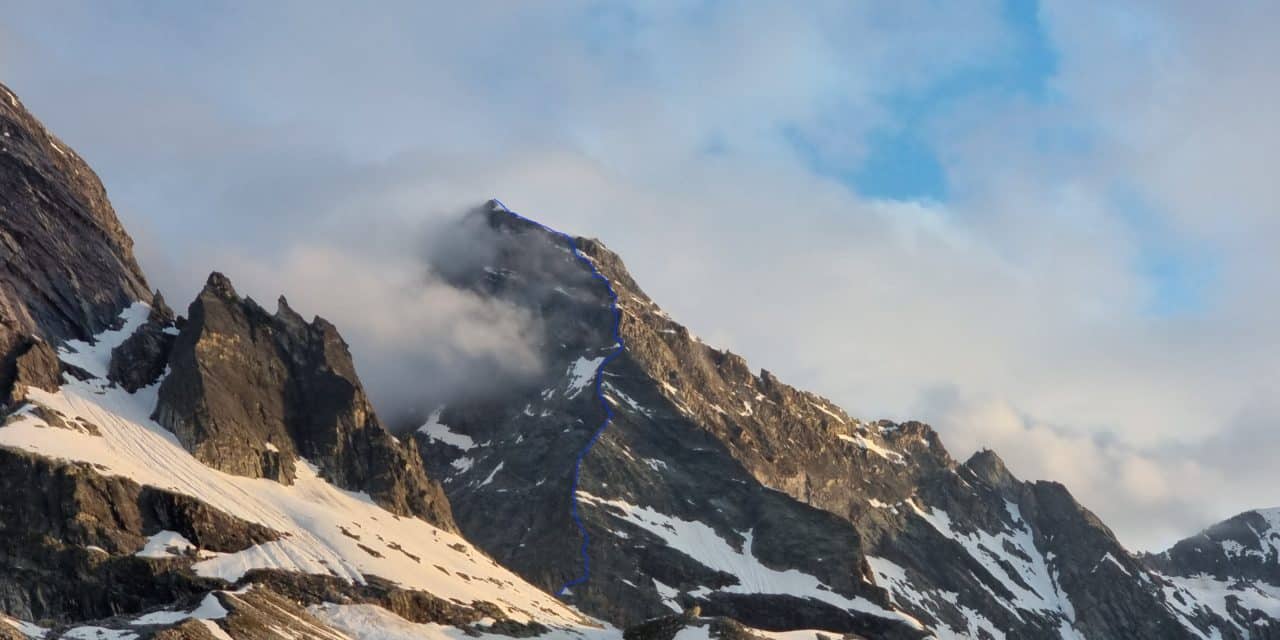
(580, 375)
(406, 551)
(441, 433)
(701, 543)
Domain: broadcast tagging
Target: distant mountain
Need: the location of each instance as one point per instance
(222, 474)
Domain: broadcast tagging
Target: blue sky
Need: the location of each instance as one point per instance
(900, 162)
(1045, 227)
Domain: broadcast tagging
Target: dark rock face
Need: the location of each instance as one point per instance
(34, 364)
(1246, 546)
(1021, 555)
(250, 392)
(511, 485)
(141, 359)
(66, 264)
(68, 535)
(873, 511)
(1238, 561)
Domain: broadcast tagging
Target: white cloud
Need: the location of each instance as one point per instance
(302, 153)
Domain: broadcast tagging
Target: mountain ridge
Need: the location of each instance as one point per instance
(224, 474)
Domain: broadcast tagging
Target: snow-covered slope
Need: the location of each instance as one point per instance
(326, 531)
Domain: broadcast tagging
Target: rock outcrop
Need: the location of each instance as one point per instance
(68, 536)
(34, 364)
(141, 359)
(66, 264)
(252, 393)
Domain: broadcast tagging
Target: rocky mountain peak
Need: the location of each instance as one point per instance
(254, 393)
(66, 264)
(219, 285)
(988, 466)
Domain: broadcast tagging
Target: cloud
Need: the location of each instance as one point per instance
(1155, 497)
(303, 145)
(418, 341)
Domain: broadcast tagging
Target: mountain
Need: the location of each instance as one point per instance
(715, 485)
(222, 473)
(1228, 574)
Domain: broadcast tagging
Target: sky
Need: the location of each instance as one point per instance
(1047, 228)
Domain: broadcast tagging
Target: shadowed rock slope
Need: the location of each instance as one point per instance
(251, 393)
(66, 265)
(265, 490)
(722, 487)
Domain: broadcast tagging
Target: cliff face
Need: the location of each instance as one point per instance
(253, 393)
(718, 486)
(66, 265)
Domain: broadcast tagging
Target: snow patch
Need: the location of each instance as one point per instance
(702, 544)
(580, 374)
(166, 544)
(437, 431)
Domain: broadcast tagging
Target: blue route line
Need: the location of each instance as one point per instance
(608, 410)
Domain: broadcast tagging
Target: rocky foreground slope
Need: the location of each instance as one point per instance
(222, 473)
